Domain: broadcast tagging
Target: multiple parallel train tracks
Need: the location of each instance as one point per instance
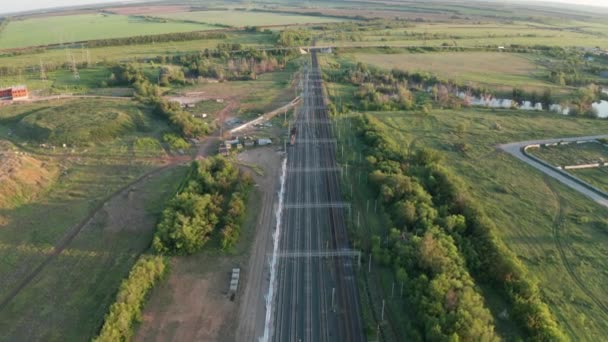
(317, 298)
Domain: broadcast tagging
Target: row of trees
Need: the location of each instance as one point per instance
(156, 38)
(183, 121)
(441, 235)
(149, 92)
(227, 62)
(126, 310)
(201, 207)
(392, 90)
(422, 253)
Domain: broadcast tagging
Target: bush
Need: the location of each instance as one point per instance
(126, 310)
(193, 215)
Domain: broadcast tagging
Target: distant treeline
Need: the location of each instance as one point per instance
(386, 90)
(228, 62)
(442, 244)
(157, 38)
(211, 202)
(312, 14)
(134, 40)
(3, 23)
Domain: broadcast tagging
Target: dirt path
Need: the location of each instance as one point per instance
(252, 309)
(515, 149)
(193, 303)
(558, 225)
(72, 232)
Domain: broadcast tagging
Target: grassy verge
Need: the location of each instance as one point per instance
(552, 223)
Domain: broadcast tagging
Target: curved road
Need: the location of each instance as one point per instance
(516, 150)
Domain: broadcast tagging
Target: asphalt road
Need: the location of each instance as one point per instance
(515, 149)
(317, 297)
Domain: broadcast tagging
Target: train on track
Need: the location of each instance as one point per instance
(292, 136)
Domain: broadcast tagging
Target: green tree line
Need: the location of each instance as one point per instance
(213, 190)
(130, 298)
(442, 244)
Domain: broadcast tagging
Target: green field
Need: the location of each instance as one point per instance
(73, 292)
(571, 154)
(116, 141)
(532, 212)
(116, 53)
(246, 18)
(458, 34)
(73, 28)
(88, 127)
(496, 70)
(596, 176)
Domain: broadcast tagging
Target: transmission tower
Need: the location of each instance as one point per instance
(72, 61)
(42, 72)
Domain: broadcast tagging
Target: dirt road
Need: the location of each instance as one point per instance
(193, 304)
(515, 149)
(252, 304)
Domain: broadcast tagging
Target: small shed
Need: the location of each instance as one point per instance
(234, 282)
(264, 141)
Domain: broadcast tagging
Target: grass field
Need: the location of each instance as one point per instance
(565, 34)
(73, 292)
(75, 122)
(71, 28)
(571, 154)
(596, 176)
(116, 53)
(495, 70)
(90, 127)
(269, 91)
(246, 18)
(532, 212)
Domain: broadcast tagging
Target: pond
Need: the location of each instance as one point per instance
(492, 102)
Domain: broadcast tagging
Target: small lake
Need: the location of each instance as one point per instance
(492, 102)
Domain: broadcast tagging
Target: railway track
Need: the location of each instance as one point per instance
(317, 297)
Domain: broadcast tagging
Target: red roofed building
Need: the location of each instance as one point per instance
(14, 93)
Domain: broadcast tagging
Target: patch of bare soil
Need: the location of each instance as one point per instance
(193, 303)
(22, 177)
(139, 10)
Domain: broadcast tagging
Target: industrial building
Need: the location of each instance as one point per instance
(14, 93)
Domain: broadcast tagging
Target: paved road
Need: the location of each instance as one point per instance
(308, 284)
(515, 149)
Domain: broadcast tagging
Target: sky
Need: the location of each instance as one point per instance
(10, 6)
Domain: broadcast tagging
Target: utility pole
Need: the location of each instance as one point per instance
(369, 267)
(42, 72)
(333, 298)
(383, 310)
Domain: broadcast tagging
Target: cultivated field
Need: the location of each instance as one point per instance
(64, 29)
(557, 233)
(496, 70)
(246, 18)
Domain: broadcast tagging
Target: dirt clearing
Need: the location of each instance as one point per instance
(192, 304)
